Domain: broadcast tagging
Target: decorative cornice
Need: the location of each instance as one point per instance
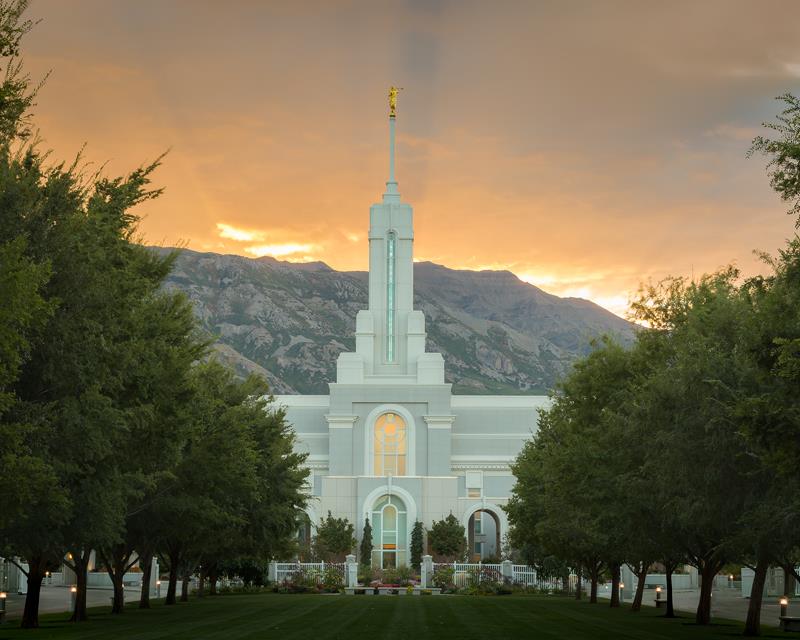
(316, 465)
(480, 466)
(340, 422)
(493, 436)
(439, 422)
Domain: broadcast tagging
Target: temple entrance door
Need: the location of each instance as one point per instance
(483, 535)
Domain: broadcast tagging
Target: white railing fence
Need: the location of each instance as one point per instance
(463, 574)
(307, 572)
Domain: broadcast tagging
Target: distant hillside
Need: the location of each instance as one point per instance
(290, 321)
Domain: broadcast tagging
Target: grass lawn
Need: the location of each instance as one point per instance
(234, 617)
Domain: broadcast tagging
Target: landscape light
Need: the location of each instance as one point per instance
(658, 589)
(73, 590)
(621, 585)
(784, 601)
(3, 595)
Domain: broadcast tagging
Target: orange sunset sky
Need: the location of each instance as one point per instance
(585, 146)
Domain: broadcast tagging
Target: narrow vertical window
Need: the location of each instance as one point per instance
(390, 276)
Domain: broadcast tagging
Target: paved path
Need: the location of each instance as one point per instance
(725, 603)
(57, 599)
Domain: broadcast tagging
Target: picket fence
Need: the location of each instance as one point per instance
(469, 573)
(297, 571)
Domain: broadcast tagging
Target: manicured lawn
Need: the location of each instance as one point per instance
(235, 617)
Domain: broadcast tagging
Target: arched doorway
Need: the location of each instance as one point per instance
(389, 533)
(483, 535)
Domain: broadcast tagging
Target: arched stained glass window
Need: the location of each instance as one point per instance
(390, 528)
(390, 445)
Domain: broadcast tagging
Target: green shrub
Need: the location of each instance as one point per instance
(390, 576)
(443, 578)
(404, 575)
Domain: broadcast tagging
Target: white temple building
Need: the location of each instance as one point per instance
(390, 441)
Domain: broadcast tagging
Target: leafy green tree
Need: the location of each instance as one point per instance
(691, 412)
(238, 485)
(334, 539)
(417, 548)
(365, 549)
(22, 311)
(783, 152)
(447, 538)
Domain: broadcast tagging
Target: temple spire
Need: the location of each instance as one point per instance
(392, 194)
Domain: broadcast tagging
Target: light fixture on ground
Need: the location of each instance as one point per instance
(73, 596)
(3, 596)
(784, 602)
(658, 597)
(158, 588)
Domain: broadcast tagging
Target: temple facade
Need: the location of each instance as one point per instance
(390, 442)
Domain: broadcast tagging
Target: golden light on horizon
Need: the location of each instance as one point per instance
(506, 162)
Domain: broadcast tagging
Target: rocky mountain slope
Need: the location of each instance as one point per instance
(290, 321)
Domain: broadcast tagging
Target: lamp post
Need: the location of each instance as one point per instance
(48, 578)
(784, 601)
(658, 598)
(73, 597)
(730, 581)
(158, 588)
(3, 596)
(622, 592)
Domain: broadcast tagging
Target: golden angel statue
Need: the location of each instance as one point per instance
(393, 100)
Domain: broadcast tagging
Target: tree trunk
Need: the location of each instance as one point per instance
(788, 582)
(116, 561)
(172, 588)
(213, 574)
(752, 627)
(614, 584)
(173, 559)
(641, 576)
(708, 571)
(118, 604)
(80, 565)
(185, 587)
(146, 560)
(669, 568)
(30, 616)
(594, 577)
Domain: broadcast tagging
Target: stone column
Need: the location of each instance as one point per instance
(507, 569)
(426, 573)
(154, 575)
(439, 444)
(352, 570)
(340, 430)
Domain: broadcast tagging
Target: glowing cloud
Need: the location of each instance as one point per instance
(240, 235)
(279, 250)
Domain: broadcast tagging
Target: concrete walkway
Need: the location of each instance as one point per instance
(725, 603)
(58, 599)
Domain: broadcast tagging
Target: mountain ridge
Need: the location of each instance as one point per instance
(289, 321)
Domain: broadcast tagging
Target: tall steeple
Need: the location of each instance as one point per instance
(392, 194)
(390, 334)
